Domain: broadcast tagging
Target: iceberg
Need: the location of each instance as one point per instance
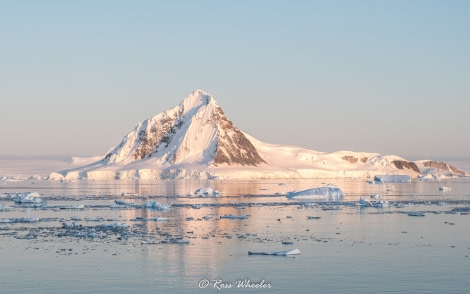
(326, 193)
(382, 179)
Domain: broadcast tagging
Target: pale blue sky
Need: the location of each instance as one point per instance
(391, 77)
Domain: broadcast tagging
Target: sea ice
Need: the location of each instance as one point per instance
(326, 193)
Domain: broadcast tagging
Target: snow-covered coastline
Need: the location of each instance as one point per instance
(195, 140)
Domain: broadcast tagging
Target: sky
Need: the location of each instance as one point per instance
(390, 77)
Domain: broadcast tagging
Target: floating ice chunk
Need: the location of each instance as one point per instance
(179, 241)
(416, 213)
(113, 226)
(445, 189)
(73, 225)
(278, 253)
(382, 204)
(364, 202)
(205, 192)
(382, 179)
(146, 219)
(326, 193)
(331, 207)
(149, 242)
(231, 216)
(156, 205)
(123, 202)
(28, 198)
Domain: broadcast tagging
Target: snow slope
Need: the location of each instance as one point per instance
(196, 140)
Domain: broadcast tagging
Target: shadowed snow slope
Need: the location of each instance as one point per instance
(196, 140)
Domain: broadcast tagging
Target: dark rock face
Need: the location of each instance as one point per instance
(443, 166)
(350, 158)
(233, 147)
(353, 159)
(159, 134)
(402, 164)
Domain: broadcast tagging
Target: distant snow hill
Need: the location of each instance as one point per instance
(196, 140)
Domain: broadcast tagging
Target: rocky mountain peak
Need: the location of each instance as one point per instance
(195, 131)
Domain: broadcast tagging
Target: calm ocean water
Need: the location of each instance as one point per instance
(351, 250)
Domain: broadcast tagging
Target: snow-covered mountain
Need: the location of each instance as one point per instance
(196, 140)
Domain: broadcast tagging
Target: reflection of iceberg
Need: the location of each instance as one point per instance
(278, 253)
(381, 179)
(326, 193)
(27, 198)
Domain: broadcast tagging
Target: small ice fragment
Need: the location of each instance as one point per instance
(123, 202)
(445, 189)
(416, 213)
(231, 216)
(277, 253)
